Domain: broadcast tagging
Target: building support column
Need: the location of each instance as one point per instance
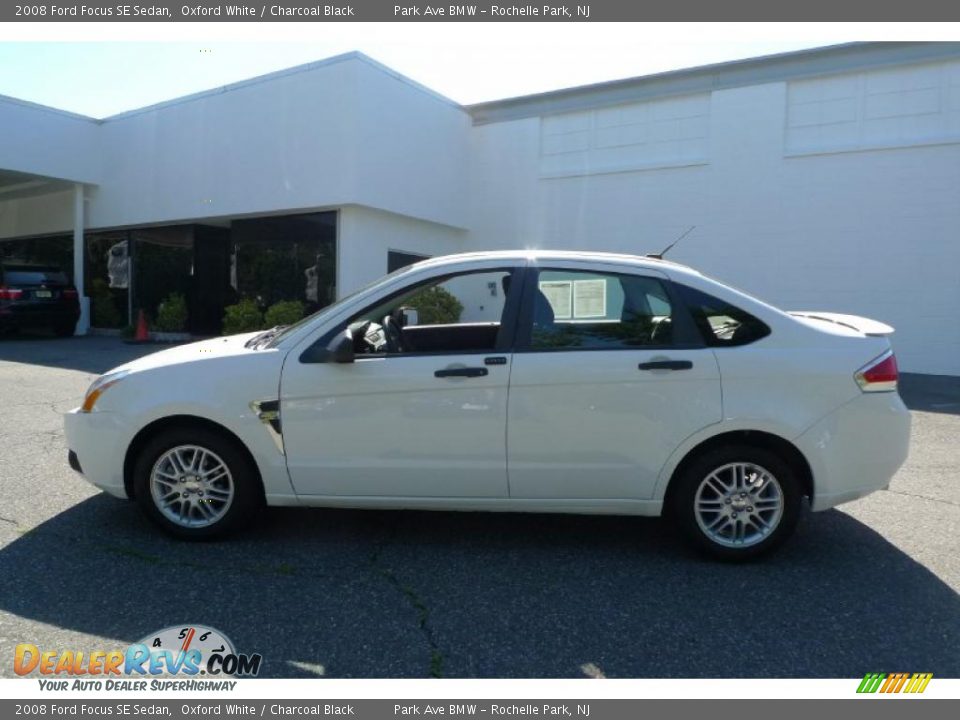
(83, 324)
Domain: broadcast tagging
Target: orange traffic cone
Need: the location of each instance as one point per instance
(142, 334)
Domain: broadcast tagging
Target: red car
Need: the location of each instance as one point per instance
(37, 296)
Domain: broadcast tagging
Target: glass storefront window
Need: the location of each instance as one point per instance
(107, 278)
(268, 260)
(162, 266)
(289, 257)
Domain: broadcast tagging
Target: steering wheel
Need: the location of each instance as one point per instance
(393, 335)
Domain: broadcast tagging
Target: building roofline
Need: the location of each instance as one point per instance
(797, 64)
(9, 99)
(287, 72)
(812, 62)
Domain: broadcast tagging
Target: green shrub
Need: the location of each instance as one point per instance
(435, 306)
(172, 314)
(105, 313)
(104, 310)
(285, 312)
(243, 317)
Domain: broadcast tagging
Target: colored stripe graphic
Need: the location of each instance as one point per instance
(870, 683)
(894, 682)
(919, 682)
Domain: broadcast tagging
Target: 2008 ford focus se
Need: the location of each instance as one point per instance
(512, 381)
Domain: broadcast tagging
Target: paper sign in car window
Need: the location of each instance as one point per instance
(590, 298)
(558, 294)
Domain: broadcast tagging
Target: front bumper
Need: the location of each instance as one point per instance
(857, 449)
(96, 442)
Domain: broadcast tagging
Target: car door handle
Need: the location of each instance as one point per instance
(461, 372)
(666, 365)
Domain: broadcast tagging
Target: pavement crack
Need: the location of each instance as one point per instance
(412, 597)
(925, 497)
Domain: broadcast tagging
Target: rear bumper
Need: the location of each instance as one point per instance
(857, 449)
(14, 316)
(95, 448)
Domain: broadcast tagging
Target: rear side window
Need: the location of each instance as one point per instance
(720, 323)
(14, 276)
(577, 310)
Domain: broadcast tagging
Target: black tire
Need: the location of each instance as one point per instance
(65, 329)
(247, 491)
(683, 501)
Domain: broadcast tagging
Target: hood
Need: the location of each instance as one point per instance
(194, 352)
(840, 324)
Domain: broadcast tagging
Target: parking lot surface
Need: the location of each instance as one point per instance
(870, 587)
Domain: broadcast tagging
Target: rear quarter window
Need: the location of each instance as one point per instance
(720, 323)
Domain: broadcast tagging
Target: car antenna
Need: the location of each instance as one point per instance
(668, 248)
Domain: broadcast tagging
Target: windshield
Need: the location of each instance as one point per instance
(287, 331)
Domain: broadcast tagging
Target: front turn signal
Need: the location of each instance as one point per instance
(99, 387)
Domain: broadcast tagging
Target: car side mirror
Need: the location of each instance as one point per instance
(340, 349)
(410, 316)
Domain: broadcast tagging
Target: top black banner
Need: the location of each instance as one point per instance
(417, 11)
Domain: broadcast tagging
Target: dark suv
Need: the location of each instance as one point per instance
(37, 296)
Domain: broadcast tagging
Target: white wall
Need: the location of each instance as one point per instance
(340, 131)
(367, 235)
(38, 215)
(412, 149)
(43, 141)
(865, 231)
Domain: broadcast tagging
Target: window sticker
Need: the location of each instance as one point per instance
(590, 299)
(559, 294)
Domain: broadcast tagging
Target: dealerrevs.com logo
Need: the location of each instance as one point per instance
(184, 651)
(894, 683)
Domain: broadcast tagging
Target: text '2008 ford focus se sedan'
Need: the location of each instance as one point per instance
(514, 381)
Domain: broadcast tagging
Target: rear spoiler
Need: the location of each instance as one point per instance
(863, 325)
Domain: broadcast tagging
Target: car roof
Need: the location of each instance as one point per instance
(537, 255)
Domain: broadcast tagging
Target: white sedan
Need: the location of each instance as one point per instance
(512, 381)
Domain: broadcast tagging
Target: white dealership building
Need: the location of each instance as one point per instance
(825, 179)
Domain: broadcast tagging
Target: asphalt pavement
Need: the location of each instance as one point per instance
(870, 587)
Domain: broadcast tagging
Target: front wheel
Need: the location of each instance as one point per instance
(196, 484)
(737, 502)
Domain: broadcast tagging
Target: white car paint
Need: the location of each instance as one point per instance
(387, 426)
(565, 432)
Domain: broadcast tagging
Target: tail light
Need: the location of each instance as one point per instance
(10, 293)
(69, 293)
(879, 375)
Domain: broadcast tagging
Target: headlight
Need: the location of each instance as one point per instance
(99, 387)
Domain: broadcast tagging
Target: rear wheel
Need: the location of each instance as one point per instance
(196, 484)
(738, 502)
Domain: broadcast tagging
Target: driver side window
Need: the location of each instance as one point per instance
(451, 314)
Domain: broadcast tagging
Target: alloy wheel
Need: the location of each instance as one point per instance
(738, 505)
(192, 486)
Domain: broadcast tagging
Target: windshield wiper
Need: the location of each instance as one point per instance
(267, 335)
